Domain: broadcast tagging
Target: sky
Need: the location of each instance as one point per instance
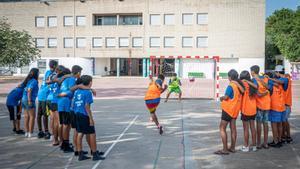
(272, 5)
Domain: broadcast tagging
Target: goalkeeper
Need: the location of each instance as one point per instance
(174, 86)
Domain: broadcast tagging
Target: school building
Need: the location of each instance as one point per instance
(117, 37)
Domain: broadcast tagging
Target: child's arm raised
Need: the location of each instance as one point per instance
(81, 86)
(262, 82)
(250, 83)
(242, 90)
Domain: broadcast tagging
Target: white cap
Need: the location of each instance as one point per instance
(279, 68)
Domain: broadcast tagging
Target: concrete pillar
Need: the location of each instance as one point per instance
(118, 67)
(144, 67)
(177, 67)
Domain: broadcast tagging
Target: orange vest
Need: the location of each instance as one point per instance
(278, 99)
(153, 92)
(263, 103)
(288, 93)
(233, 106)
(248, 102)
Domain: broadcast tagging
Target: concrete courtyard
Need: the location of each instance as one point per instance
(132, 142)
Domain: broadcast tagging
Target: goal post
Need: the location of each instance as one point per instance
(189, 69)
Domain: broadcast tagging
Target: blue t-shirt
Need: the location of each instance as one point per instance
(270, 85)
(34, 86)
(44, 89)
(14, 97)
(55, 92)
(229, 92)
(66, 85)
(81, 99)
(254, 81)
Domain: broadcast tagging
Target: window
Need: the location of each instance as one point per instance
(52, 21)
(169, 42)
(41, 64)
(169, 19)
(97, 42)
(68, 42)
(52, 42)
(154, 42)
(187, 19)
(130, 20)
(154, 19)
(137, 42)
(110, 42)
(39, 21)
(202, 18)
(105, 20)
(68, 21)
(80, 42)
(39, 42)
(80, 20)
(202, 41)
(187, 42)
(123, 42)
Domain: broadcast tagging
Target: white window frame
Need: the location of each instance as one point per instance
(44, 67)
(52, 22)
(107, 45)
(199, 22)
(154, 23)
(69, 22)
(135, 44)
(65, 44)
(39, 45)
(100, 42)
(167, 45)
(78, 42)
(184, 21)
(169, 23)
(198, 43)
(38, 24)
(78, 23)
(187, 46)
(154, 46)
(121, 41)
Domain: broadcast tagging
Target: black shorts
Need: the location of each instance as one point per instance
(247, 118)
(73, 120)
(226, 116)
(64, 118)
(14, 111)
(53, 106)
(83, 124)
(42, 110)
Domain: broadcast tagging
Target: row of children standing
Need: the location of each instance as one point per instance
(261, 99)
(66, 97)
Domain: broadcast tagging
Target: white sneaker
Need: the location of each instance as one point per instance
(29, 135)
(245, 149)
(26, 134)
(254, 148)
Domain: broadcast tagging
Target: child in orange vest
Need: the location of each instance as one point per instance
(263, 104)
(288, 104)
(152, 98)
(231, 105)
(277, 113)
(248, 111)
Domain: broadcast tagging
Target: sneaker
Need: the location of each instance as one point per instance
(20, 132)
(68, 149)
(101, 153)
(275, 145)
(41, 134)
(47, 135)
(76, 153)
(97, 157)
(289, 140)
(245, 149)
(161, 130)
(254, 148)
(26, 134)
(82, 157)
(14, 130)
(29, 135)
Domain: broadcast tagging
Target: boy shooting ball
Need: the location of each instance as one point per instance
(174, 86)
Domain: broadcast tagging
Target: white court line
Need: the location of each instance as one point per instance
(116, 141)
(69, 162)
(3, 117)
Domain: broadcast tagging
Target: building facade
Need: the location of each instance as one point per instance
(117, 37)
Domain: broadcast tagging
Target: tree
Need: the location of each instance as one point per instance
(17, 48)
(283, 28)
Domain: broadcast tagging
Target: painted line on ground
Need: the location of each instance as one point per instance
(157, 155)
(294, 126)
(69, 162)
(40, 159)
(116, 141)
